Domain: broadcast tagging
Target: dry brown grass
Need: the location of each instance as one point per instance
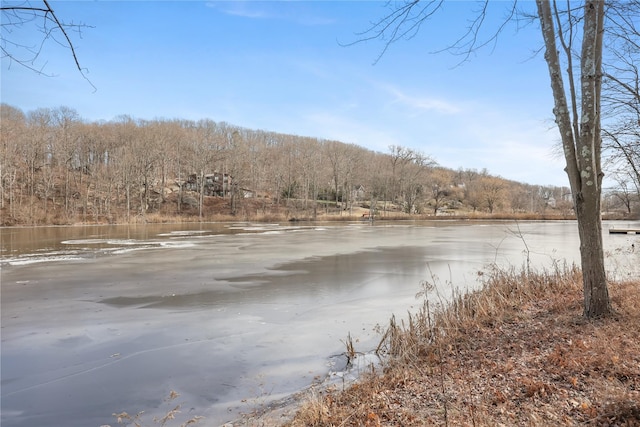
(516, 353)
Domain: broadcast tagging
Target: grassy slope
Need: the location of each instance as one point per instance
(518, 352)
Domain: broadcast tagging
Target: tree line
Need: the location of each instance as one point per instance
(57, 168)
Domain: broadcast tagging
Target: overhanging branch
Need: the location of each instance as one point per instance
(18, 15)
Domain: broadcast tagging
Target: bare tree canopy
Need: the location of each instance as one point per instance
(20, 17)
(621, 97)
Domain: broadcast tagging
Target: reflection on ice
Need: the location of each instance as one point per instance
(121, 251)
(271, 228)
(102, 242)
(177, 245)
(254, 227)
(36, 259)
(182, 233)
(90, 248)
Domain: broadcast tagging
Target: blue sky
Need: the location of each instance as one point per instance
(283, 66)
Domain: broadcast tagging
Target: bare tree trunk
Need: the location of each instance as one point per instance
(201, 197)
(594, 281)
(581, 141)
(596, 293)
(128, 190)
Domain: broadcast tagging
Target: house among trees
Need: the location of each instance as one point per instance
(215, 184)
(358, 192)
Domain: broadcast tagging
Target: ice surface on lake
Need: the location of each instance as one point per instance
(98, 320)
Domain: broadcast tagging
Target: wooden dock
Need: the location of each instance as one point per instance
(624, 231)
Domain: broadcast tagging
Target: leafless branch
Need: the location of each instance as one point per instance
(470, 42)
(16, 16)
(401, 23)
(405, 18)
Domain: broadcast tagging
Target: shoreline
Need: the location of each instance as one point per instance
(516, 352)
(155, 219)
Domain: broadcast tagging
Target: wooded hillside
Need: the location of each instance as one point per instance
(57, 168)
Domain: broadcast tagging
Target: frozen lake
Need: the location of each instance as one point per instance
(104, 319)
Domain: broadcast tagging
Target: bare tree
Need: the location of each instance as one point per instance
(473, 194)
(37, 158)
(626, 191)
(399, 157)
(257, 168)
(17, 16)
(11, 140)
(68, 153)
(577, 98)
(578, 116)
(441, 190)
(124, 135)
(311, 158)
(492, 192)
(408, 169)
(621, 89)
(286, 173)
(237, 163)
(100, 168)
(335, 153)
(621, 92)
(205, 146)
(521, 201)
(378, 181)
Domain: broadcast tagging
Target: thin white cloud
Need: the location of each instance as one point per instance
(340, 128)
(239, 8)
(265, 10)
(510, 146)
(420, 104)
